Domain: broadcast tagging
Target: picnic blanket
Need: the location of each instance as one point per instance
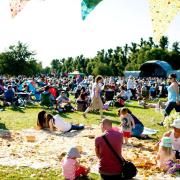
(149, 131)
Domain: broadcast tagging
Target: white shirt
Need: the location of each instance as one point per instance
(130, 84)
(60, 124)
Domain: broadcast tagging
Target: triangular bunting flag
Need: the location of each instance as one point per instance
(87, 6)
(162, 14)
(16, 6)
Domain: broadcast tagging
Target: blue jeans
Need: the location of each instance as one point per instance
(169, 107)
(76, 127)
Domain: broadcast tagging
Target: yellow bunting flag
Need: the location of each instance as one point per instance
(162, 14)
(16, 6)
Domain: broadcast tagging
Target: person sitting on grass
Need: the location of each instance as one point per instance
(55, 123)
(71, 169)
(174, 134)
(63, 103)
(165, 153)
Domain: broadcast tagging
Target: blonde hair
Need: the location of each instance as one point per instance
(166, 150)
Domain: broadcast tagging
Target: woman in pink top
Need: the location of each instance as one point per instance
(71, 169)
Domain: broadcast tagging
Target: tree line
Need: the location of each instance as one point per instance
(19, 60)
(114, 62)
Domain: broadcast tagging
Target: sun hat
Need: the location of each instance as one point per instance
(176, 123)
(166, 142)
(73, 153)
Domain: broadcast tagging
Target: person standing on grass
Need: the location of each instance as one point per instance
(139, 127)
(96, 102)
(109, 166)
(127, 123)
(173, 97)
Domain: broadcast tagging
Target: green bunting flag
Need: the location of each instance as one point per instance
(87, 6)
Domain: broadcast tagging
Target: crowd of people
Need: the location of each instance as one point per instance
(97, 94)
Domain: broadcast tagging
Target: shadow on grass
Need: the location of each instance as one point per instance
(107, 113)
(116, 122)
(133, 106)
(3, 126)
(33, 107)
(64, 134)
(4, 132)
(18, 109)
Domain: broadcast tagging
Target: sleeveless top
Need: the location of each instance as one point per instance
(175, 142)
(171, 94)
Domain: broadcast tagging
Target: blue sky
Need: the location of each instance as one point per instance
(54, 28)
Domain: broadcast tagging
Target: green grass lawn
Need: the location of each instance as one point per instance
(18, 119)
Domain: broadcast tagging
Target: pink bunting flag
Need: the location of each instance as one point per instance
(16, 6)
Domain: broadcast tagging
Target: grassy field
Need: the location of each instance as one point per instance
(18, 119)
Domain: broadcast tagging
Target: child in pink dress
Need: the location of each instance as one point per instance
(71, 169)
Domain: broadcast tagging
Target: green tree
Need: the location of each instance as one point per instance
(163, 44)
(18, 59)
(175, 47)
(102, 69)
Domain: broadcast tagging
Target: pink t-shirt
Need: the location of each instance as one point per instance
(109, 164)
(68, 168)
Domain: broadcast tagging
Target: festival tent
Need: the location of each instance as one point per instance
(155, 68)
(75, 73)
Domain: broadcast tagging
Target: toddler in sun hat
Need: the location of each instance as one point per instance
(71, 169)
(165, 153)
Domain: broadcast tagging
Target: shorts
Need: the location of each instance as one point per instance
(170, 106)
(81, 171)
(126, 134)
